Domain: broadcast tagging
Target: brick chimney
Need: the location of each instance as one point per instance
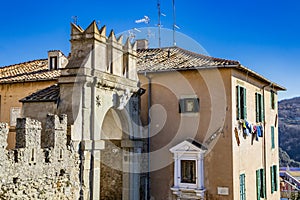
(142, 44)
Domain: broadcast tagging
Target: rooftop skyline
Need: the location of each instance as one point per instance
(261, 35)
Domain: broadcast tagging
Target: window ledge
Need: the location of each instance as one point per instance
(182, 192)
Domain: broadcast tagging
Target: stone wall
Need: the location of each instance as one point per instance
(30, 172)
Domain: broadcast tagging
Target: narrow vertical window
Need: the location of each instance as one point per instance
(242, 187)
(259, 107)
(260, 183)
(241, 106)
(273, 137)
(273, 171)
(53, 62)
(272, 99)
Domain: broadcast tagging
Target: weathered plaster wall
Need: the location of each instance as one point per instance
(249, 155)
(169, 127)
(10, 94)
(30, 172)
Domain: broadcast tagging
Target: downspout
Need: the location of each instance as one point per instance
(264, 136)
(147, 193)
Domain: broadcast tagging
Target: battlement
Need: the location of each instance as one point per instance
(28, 140)
(91, 48)
(31, 172)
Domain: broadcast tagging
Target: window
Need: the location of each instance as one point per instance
(242, 187)
(241, 107)
(260, 184)
(188, 171)
(273, 137)
(189, 105)
(273, 171)
(53, 62)
(15, 113)
(259, 107)
(272, 99)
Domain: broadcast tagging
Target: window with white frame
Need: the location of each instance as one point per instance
(188, 165)
(188, 171)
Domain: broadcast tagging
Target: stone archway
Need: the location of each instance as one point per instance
(114, 128)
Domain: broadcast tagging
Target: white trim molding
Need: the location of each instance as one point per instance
(189, 150)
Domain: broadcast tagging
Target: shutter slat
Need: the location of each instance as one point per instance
(245, 103)
(238, 103)
(272, 179)
(258, 184)
(275, 178)
(262, 108)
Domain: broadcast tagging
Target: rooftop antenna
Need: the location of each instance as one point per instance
(145, 20)
(159, 23)
(75, 19)
(174, 23)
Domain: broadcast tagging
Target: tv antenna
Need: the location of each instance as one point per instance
(159, 22)
(174, 24)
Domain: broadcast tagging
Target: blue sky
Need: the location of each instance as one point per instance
(263, 35)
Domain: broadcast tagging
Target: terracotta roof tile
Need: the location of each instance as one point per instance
(175, 58)
(45, 95)
(35, 70)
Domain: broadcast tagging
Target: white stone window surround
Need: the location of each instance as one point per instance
(186, 150)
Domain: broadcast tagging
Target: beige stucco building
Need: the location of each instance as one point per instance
(208, 99)
(206, 128)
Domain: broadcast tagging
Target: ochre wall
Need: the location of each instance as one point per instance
(249, 156)
(169, 127)
(10, 96)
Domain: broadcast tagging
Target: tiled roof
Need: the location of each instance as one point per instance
(45, 95)
(36, 70)
(175, 58)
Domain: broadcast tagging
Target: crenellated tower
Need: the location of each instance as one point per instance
(99, 93)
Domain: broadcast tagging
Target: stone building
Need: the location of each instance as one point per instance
(190, 136)
(98, 91)
(20, 80)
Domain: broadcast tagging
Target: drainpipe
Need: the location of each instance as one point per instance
(264, 149)
(147, 193)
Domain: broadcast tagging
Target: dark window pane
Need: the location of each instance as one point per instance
(188, 171)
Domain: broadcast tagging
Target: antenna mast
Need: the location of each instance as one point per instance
(174, 23)
(159, 23)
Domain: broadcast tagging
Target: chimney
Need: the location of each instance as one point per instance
(56, 60)
(142, 44)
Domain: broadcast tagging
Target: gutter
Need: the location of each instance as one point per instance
(264, 136)
(147, 193)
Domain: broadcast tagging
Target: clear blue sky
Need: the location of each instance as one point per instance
(262, 34)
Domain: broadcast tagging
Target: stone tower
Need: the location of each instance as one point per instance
(98, 92)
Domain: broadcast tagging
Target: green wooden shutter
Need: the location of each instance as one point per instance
(245, 103)
(263, 183)
(272, 137)
(272, 179)
(238, 103)
(272, 99)
(242, 187)
(258, 184)
(262, 108)
(275, 178)
(256, 107)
